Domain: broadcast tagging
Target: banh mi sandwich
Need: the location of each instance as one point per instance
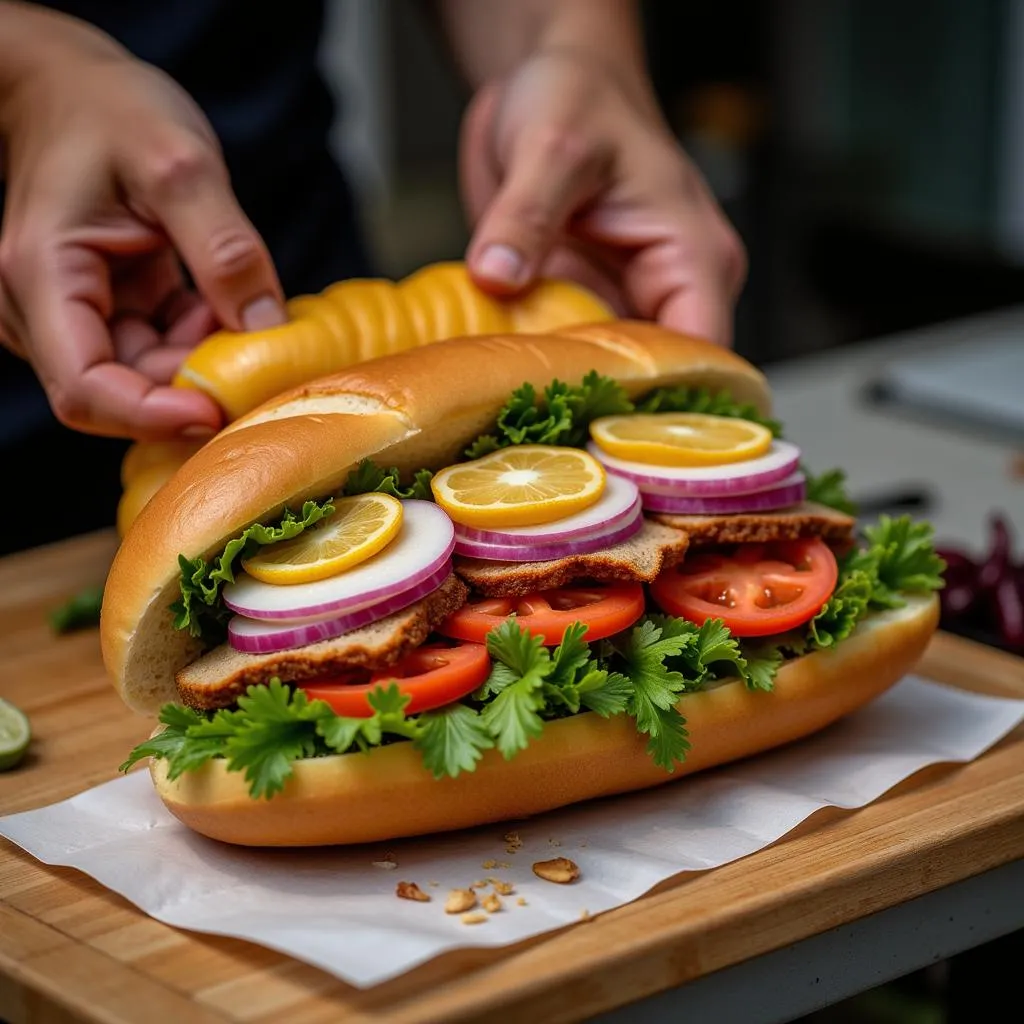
(494, 577)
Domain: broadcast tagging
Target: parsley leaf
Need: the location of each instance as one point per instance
(829, 488)
(761, 665)
(596, 396)
(368, 477)
(656, 688)
(561, 414)
(605, 693)
(452, 739)
(277, 726)
(902, 559)
(522, 664)
(719, 403)
(170, 740)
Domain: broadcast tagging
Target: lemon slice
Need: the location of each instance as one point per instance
(680, 438)
(359, 527)
(519, 486)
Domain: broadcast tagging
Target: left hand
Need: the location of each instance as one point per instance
(566, 172)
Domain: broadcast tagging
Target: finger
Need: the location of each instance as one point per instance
(192, 321)
(682, 288)
(551, 174)
(75, 356)
(132, 336)
(683, 266)
(186, 190)
(479, 174)
(162, 363)
(137, 343)
(592, 269)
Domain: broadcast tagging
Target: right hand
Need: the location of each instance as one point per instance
(113, 174)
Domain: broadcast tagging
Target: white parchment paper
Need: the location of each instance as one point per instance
(337, 908)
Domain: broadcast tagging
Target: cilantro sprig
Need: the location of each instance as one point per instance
(275, 725)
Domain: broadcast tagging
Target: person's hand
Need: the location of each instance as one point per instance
(112, 173)
(568, 173)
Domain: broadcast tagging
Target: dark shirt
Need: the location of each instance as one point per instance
(251, 65)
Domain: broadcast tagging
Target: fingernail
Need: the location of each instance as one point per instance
(197, 431)
(503, 264)
(263, 313)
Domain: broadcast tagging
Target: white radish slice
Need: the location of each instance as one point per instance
(790, 491)
(776, 464)
(424, 542)
(254, 637)
(617, 505)
(531, 551)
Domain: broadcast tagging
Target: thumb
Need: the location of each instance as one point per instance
(549, 177)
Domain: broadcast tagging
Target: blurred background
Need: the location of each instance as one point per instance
(870, 152)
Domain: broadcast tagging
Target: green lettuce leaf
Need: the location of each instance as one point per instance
(718, 403)
(368, 477)
(199, 609)
(829, 488)
(899, 558)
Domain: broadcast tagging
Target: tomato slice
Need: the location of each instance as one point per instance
(604, 609)
(431, 676)
(757, 590)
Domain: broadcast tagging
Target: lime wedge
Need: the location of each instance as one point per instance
(15, 734)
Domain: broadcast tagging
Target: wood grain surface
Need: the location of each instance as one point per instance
(72, 951)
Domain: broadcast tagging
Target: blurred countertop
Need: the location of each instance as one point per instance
(821, 400)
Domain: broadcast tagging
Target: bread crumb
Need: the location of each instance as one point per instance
(513, 842)
(480, 884)
(491, 903)
(433, 884)
(387, 865)
(411, 891)
(584, 915)
(503, 888)
(474, 918)
(521, 902)
(459, 900)
(489, 865)
(560, 870)
(554, 842)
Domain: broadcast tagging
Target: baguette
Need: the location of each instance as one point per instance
(421, 409)
(386, 794)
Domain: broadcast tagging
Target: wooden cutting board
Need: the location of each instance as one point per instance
(71, 950)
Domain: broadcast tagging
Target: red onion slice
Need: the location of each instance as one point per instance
(779, 462)
(790, 491)
(616, 506)
(530, 551)
(254, 637)
(425, 541)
